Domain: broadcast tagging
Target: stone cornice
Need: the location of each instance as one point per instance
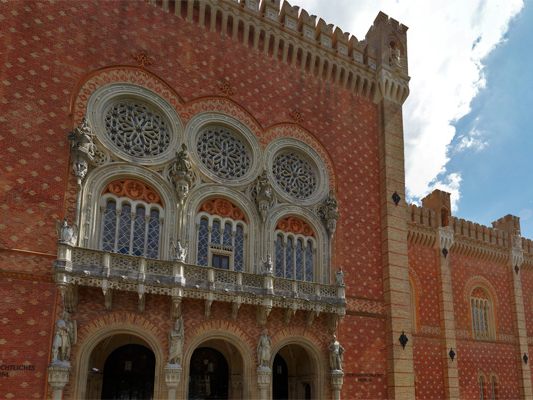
(294, 37)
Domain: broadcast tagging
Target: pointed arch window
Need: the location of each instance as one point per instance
(131, 219)
(295, 249)
(221, 235)
(482, 315)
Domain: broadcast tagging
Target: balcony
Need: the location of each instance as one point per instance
(77, 266)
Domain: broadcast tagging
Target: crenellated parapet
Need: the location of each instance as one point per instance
(375, 68)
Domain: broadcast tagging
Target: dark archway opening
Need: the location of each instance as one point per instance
(129, 373)
(209, 375)
(280, 379)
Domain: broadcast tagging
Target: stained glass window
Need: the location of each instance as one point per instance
(239, 248)
(109, 225)
(227, 239)
(124, 230)
(139, 229)
(153, 234)
(289, 259)
(299, 260)
(309, 261)
(279, 256)
(203, 241)
(215, 232)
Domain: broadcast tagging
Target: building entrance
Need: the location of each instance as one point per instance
(293, 374)
(129, 373)
(209, 375)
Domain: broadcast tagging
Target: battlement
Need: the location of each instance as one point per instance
(295, 37)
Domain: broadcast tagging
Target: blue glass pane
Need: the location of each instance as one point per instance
(152, 245)
(227, 239)
(203, 239)
(309, 261)
(124, 230)
(139, 228)
(289, 264)
(239, 249)
(215, 232)
(299, 260)
(279, 256)
(109, 225)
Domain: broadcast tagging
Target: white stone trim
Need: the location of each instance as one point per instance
(244, 133)
(105, 95)
(307, 153)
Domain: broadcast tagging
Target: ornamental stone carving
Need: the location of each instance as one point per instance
(179, 252)
(175, 340)
(82, 148)
(136, 129)
(336, 354)
(64, 339)
(66, 234)
(264, 195)
(264, 350)
(223, 153)
(329, 212)
(295, 175)
(182, 174)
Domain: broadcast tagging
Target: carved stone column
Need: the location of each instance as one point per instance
(337, 379)
(445, 239)
(172, 379)
(58, 376)
(264, 377)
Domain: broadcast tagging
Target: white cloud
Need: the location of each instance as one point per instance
(447, 42)
(473, 140)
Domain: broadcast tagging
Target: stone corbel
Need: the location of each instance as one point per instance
(235, 306)
(445, 240)
(58, 377)
(263, 311)
(142, 301)
(108, 299)
(175, 311)
(70, 298)
(208, 304)
(311, 315)
(289, 313)
(172, 379)
(333, 322)
(391, 87)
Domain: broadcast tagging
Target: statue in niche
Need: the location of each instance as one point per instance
(64, 338)
(83, 149)
(339, 277)
(264, 195)
(395, 56)
(264, 350)
(67, 234)
(336, 354)
(179, 252)
(181, 173)
(175, 340)
(329, 212)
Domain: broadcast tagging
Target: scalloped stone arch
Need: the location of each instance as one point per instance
(201, 193)
(101, 176)
(294, 131)
(225, 331)
(116, 324)
(119, 74)
(283, 210)
(314, 351)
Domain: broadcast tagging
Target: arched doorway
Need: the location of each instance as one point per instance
(208, 375)
(121, 366)
(216, 371)
(129, 373)
(294, 374)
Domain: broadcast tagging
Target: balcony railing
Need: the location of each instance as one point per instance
(111, 271)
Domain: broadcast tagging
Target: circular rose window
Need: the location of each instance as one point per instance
(295, 175)
(137, 129)
(223, 153)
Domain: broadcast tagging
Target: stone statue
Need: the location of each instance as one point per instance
(181, 173)
(339, 277)
(395, 56)
(179, 252)
(64, 338)
(329, 212)
(268, 266)
(336, 354)
(264, 349)
(264, 195)
(175, 340)
(67, 234)
(83, 149)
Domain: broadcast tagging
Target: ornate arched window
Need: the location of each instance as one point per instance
(482, 315)
(295, 249)
(493, 387)
(221, 235)
(481, 387)
(131, 218)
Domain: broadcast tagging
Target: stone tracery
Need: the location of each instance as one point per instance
(295, 175)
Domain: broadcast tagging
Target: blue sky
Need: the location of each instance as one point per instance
(496, 168)
(465, 121)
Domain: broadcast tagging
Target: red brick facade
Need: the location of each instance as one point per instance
(56, 55)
